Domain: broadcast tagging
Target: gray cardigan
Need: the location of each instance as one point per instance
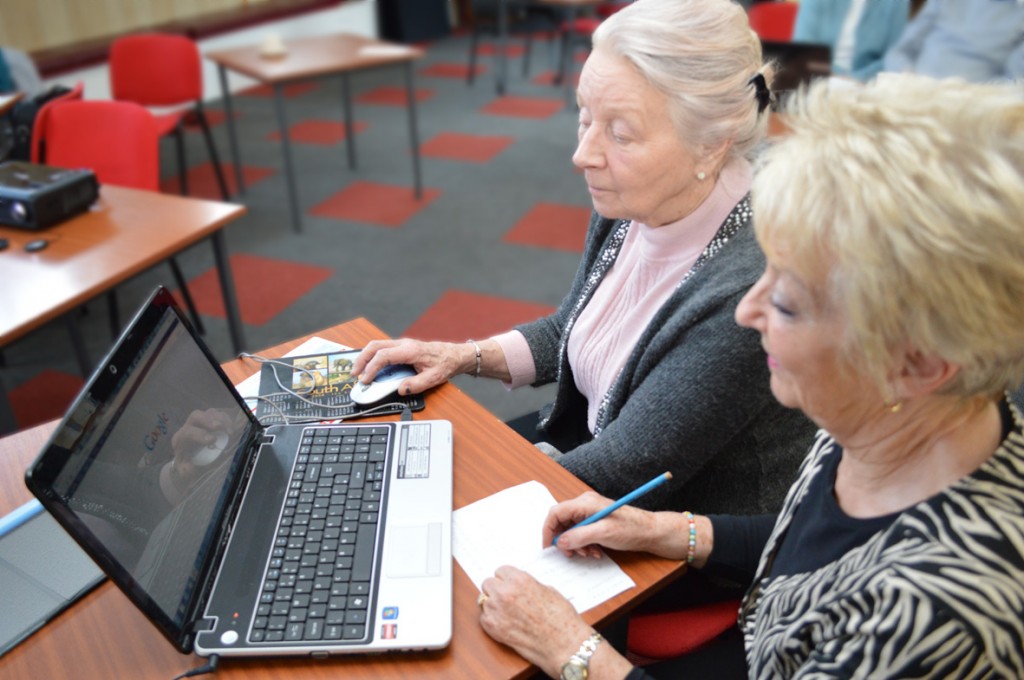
(693, 397)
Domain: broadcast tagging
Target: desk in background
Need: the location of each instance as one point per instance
(309, 58)
(104, 636)
(124, 234)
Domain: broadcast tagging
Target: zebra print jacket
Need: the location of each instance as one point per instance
(938, 594)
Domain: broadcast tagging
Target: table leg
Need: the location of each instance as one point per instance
(502, 46)
(7, 422)
(289, 169)
(227, 288)
(78, 344)
(414, 140)
(232, 135)
(568, 78)
(350, 128)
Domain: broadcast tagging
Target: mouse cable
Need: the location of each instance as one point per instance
(201, 670)
(288, 419)
(287, 391)
(292, 367)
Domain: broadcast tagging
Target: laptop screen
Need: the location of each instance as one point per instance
(147, 463)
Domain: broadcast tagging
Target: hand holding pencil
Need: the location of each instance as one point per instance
(625, 532)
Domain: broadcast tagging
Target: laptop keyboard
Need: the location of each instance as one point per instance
(317, 584)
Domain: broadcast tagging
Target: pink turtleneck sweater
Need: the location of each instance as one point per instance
(651, 263)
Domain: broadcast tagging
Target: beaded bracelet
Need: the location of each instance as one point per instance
(691, 549)
(477, 348)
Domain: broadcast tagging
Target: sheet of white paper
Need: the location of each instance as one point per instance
(506, 529)
(250, 387)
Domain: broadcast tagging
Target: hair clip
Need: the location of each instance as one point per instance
(761, 91)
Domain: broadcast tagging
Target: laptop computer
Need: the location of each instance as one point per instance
(796, 63)
(239, 539)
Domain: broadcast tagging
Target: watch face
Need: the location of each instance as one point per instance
(574, 669)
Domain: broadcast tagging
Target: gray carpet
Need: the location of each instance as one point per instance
(389, 275)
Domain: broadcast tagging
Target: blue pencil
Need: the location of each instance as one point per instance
(19, 516)
(628, 498)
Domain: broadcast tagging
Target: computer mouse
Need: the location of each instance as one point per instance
(384, 384)
(38, 244)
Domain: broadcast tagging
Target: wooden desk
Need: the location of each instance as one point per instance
(125, 233)
(310, 58)
(103, 635)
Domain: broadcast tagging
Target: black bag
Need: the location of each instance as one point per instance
(20, 120)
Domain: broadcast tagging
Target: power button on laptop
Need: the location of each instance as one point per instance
(229, 637)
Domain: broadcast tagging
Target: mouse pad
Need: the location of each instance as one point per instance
(317, 387)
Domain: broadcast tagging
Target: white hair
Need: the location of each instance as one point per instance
(702, 55)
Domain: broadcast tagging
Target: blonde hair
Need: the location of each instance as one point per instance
(911, 191)
(702, 55)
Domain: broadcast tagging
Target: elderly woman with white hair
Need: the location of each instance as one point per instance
(652, 374)
(890, 313)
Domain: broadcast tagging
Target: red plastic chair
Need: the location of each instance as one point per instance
(609, 8)
(666, 635)
(773, 20)
(163, 70)
(120, 142)
(37, 153)
(577, 33)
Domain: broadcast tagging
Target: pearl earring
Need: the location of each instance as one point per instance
(701, 176)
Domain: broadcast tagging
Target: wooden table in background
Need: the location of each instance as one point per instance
(307, 58)
(105, 636)
(125, 233)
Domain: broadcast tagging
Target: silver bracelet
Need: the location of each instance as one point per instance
(477, 347)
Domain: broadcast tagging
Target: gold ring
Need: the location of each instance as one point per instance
(483, 598)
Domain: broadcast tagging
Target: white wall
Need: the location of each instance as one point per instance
(354, 16)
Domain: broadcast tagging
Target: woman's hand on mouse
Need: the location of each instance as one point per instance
(435, 362)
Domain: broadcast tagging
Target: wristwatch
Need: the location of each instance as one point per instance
(576, 667)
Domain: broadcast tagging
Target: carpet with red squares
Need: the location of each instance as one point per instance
(493, 240)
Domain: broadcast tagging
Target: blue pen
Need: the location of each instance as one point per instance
(19, 516)
(628, 498)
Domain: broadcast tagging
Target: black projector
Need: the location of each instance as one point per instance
(34, 196)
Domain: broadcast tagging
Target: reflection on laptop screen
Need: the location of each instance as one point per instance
(146, 475)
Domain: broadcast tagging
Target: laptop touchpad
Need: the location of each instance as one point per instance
(414, 550)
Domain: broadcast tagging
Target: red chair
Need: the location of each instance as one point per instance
(162, 70)
(120, 142)
(577, 33)
(666, 635)
(773, 20)
(37, 153)
(609, 8)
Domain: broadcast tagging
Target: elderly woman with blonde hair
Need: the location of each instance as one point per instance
(890, 313)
